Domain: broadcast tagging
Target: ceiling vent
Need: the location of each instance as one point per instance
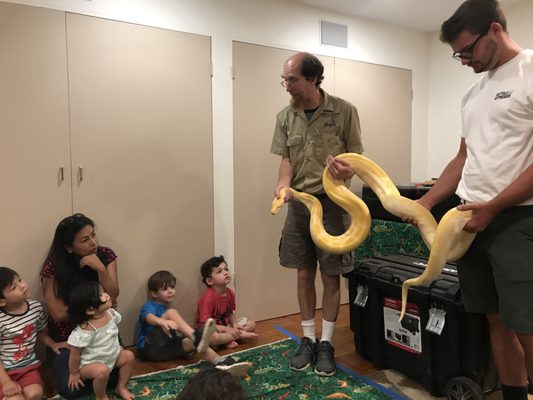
(333, 34)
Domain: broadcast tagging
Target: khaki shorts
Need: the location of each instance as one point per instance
(496, 274)
(296, 248)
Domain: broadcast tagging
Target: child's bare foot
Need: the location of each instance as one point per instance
(102, 398)
(124, 393)
(232, 345)
(248, 335)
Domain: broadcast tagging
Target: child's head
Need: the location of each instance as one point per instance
(85, 300)
(162, 286)
(12, 288)
(213, 384)
(215, 271)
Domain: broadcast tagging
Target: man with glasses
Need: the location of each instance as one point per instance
(309, 132)
(493, 174)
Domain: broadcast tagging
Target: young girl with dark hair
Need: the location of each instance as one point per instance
(95, 348)
(75, 257)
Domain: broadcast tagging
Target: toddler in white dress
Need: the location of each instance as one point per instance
(95, 347)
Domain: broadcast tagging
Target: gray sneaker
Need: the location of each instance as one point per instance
(305, 356)
(325, 359)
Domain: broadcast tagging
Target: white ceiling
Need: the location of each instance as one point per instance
(424, 15)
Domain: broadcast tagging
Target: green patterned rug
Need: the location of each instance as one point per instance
(268, 378)
(391, 238)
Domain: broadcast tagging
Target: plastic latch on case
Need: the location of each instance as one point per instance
(437, 320)
(362, 296)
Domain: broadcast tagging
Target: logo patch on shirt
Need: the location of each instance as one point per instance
(503, 95)
(331, 119)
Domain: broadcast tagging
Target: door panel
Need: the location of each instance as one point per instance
(142, 152)
(382, 96)
(34, 141)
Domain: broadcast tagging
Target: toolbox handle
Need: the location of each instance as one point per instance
(396, 279)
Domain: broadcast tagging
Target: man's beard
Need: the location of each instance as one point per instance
(296, 102)
(490, 61)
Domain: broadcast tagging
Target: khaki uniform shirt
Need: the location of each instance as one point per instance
(333, 129)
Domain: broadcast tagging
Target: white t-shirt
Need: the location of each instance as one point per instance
(497, 126)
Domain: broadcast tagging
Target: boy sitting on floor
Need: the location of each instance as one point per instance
(218, 302)
(22, 323)
(162, 334)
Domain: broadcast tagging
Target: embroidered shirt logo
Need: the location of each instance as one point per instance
(503, 95)
(331, 118)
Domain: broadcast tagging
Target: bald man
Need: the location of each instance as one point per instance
(309, 133)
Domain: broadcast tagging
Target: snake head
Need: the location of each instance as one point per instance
(278, 203)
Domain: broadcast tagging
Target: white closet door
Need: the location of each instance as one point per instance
(34, 144)
(142, 152)
(383, 97)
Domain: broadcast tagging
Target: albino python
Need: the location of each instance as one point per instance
(447, 241)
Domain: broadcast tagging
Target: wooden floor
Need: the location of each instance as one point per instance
(342, 342)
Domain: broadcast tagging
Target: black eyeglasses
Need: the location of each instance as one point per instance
(468, 52)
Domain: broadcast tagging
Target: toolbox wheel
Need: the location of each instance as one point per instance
(463, 388)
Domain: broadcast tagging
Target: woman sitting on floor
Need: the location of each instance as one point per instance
(75, 257)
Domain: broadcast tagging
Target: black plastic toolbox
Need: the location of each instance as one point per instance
(450, 354)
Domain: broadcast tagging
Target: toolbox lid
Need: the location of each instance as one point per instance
(396, 269)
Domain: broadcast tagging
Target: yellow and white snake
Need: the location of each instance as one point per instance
(447, 241)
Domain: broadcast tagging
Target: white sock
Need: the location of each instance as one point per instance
(327, 330)
(308, 327)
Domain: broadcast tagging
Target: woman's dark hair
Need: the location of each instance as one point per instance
(84, 297)
(208, 266)
(213, 384)
(7, 276)
(474, 16)
(68, 273)
(311, 67)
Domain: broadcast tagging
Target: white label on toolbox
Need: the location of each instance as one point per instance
(362, 296)
(437, 319)
(405, 334)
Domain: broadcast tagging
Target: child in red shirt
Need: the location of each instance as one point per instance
(218, 302)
